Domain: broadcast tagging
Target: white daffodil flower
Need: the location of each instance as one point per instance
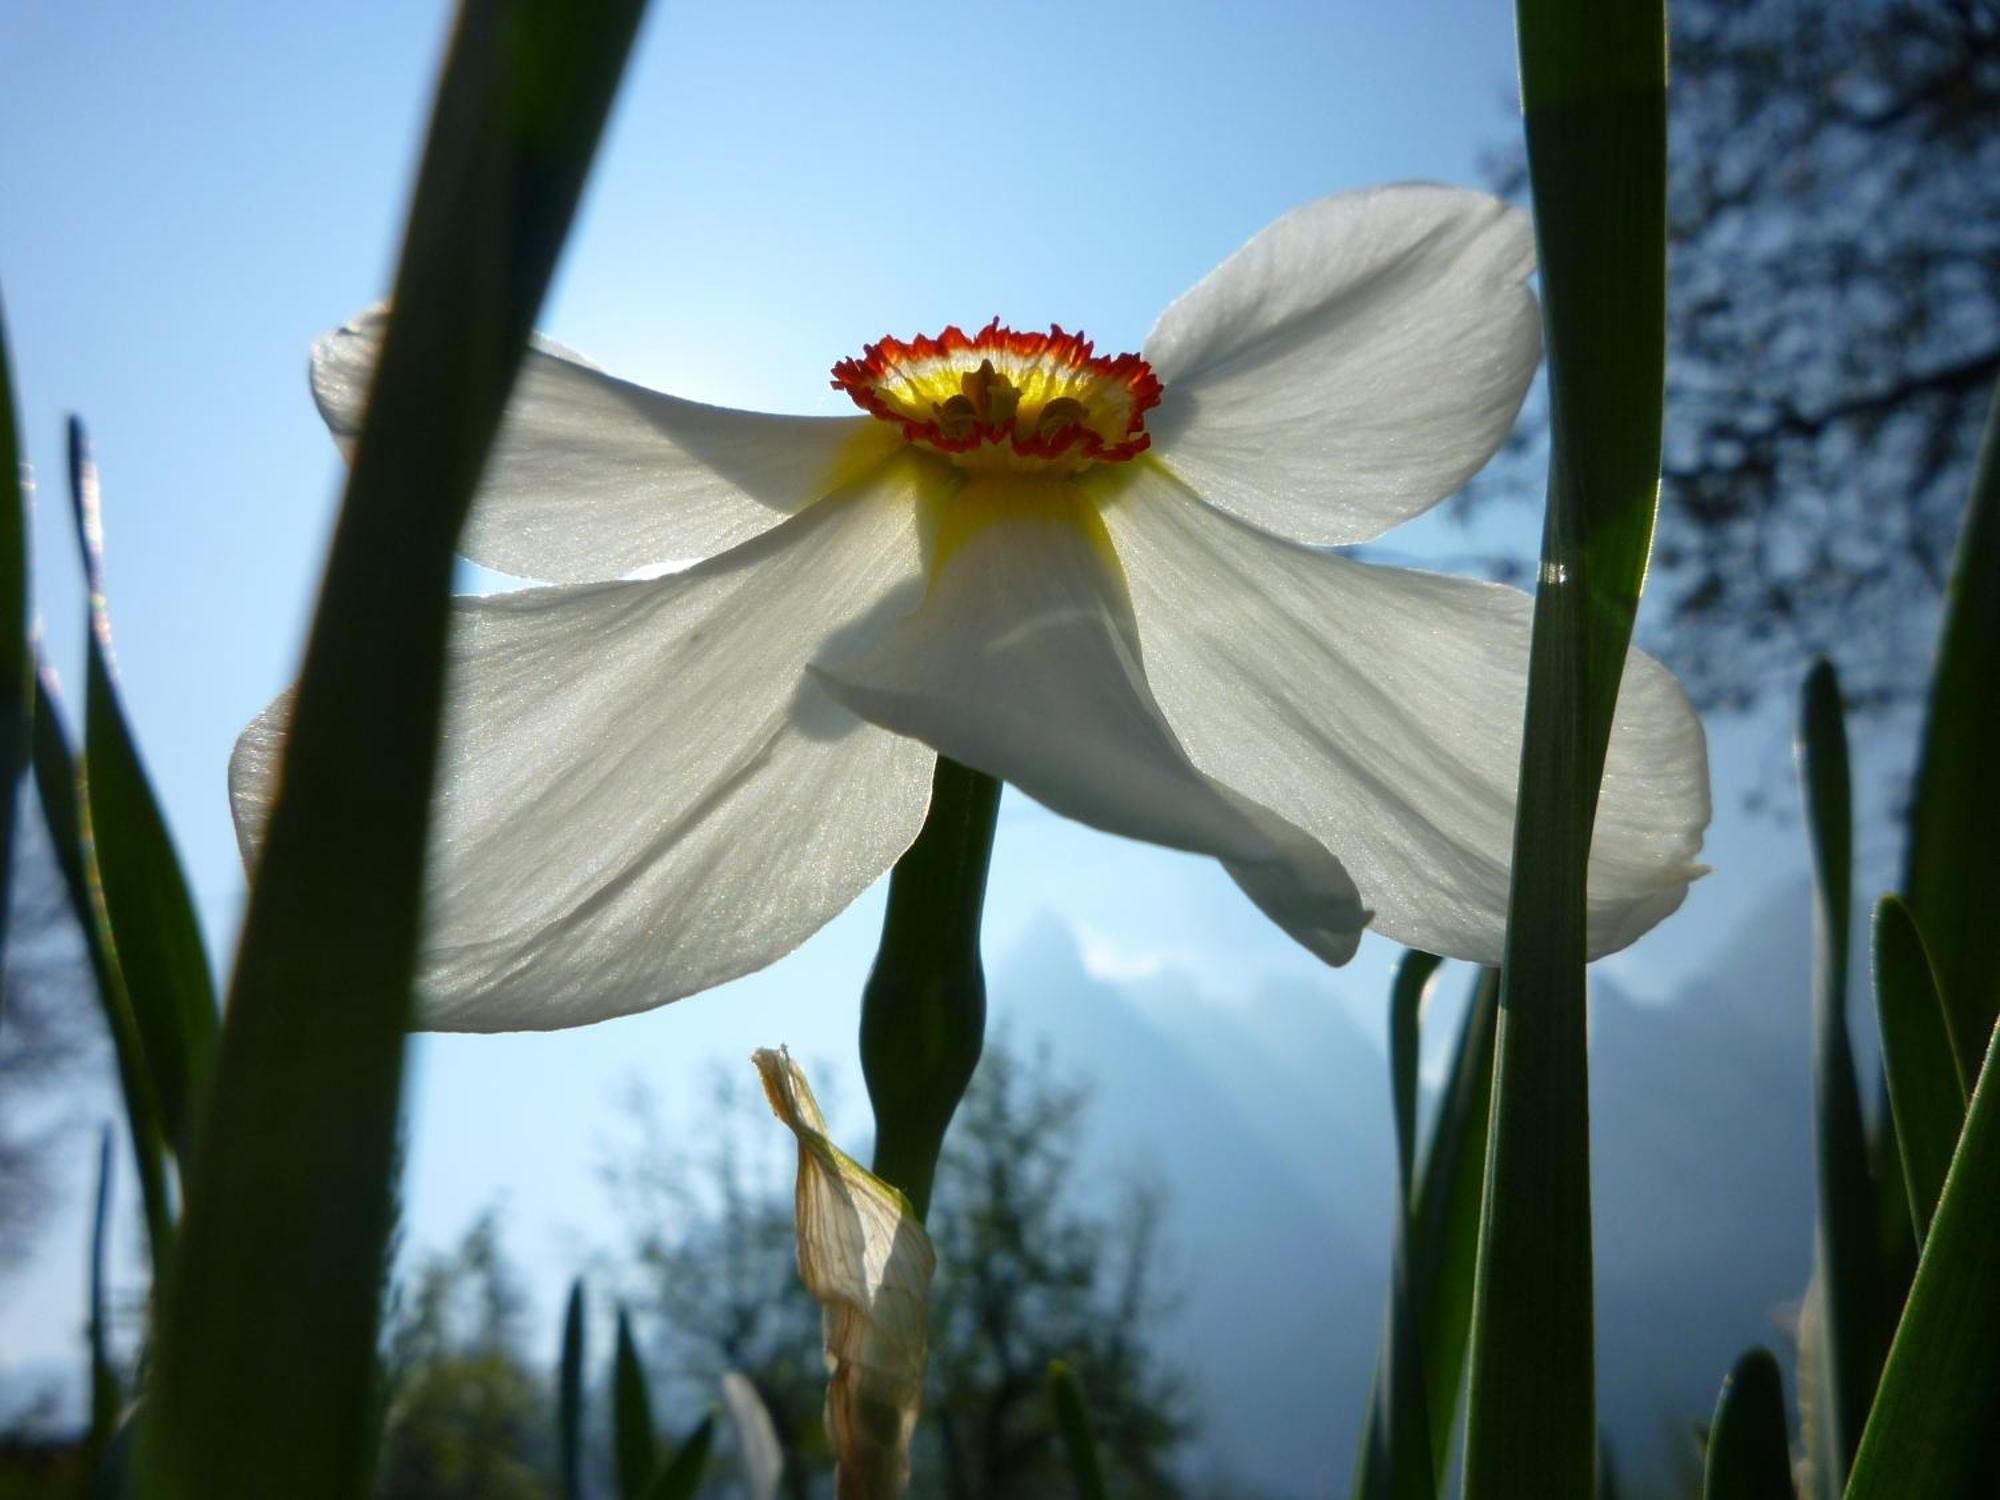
(1099, 579)
(865, 1258)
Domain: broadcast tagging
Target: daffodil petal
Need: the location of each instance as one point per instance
(1023, 662)
(1353, 364)
(641, 793)
(865, 1258)
(1381, 709)
(594, 478)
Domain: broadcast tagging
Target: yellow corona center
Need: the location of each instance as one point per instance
(1007, 401)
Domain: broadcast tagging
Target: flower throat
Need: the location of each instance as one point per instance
(1007, 401)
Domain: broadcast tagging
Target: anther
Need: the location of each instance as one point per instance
(1063, 411)
(991, 394)
(957, 417)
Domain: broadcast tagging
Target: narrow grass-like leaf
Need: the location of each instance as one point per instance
(1894, 1233)
(17, 677)
(1405, 1428)
(1933, 1425)
(1593, 95)
(1926, 1090)
(145, 893)
(1073, 1422)
(57, 784)
(1847, 1275)
(634, 1446)
(1407, 994)
(266, 1354)
(1396, 1456)
(682, 1476)
(1749, 1448)
(106, 1395)
(1609, 1486)
(569, 1397)
(1952, 878)
(1445, 1239)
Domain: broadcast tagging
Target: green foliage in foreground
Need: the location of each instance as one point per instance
(1749, 1450)
(1078, 1441)
(267, 1336)
(145, 902)
(262, 1367)
(1928, 1420)
(1951, 876)
(1926, 1090)
(1933, 1427)
(1593, 96)
(58, 781)
(1848, 1292)
(1437, 1239)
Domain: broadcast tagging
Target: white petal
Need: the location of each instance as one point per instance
(1381, 709)
(865, 1258)
(1353, 364)
(594, 478)
(1023, 663)
(641, 793)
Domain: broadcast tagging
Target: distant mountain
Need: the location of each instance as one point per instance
(1269, 1124)
(1281, 1298)
(1702, 1173)
(1307, 1079)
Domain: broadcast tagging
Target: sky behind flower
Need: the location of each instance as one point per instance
(191, 198)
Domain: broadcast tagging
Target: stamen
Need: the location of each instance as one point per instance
(991, 394)
(957, 417)
(1063, 411)
(1007, 400)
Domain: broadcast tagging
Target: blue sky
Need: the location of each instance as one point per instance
(192, 194)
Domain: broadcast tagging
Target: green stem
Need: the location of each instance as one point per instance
(923, 1013)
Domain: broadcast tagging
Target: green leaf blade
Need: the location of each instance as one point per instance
(265, 1370)
(145, 892)
(1931, 1428)
(57, 783)
(569, 1396)
(1749, 1448)
(1397, 1453)
(1073, 1422)
(1593, 85)
(1407, 995)
(1952, 878)
(1926, 1089)
(1450, 1189)
(1848, 1277)
(681, 1478)
(634, 1444)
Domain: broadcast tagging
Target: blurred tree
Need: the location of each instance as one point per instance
(1025, 1275)
(713, 1242)
(51, 1033)
(1834, 336)
(466, 1414)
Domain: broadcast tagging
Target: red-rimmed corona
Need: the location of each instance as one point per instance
(1001, 399)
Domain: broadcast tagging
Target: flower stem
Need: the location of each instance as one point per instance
(923, 1013)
